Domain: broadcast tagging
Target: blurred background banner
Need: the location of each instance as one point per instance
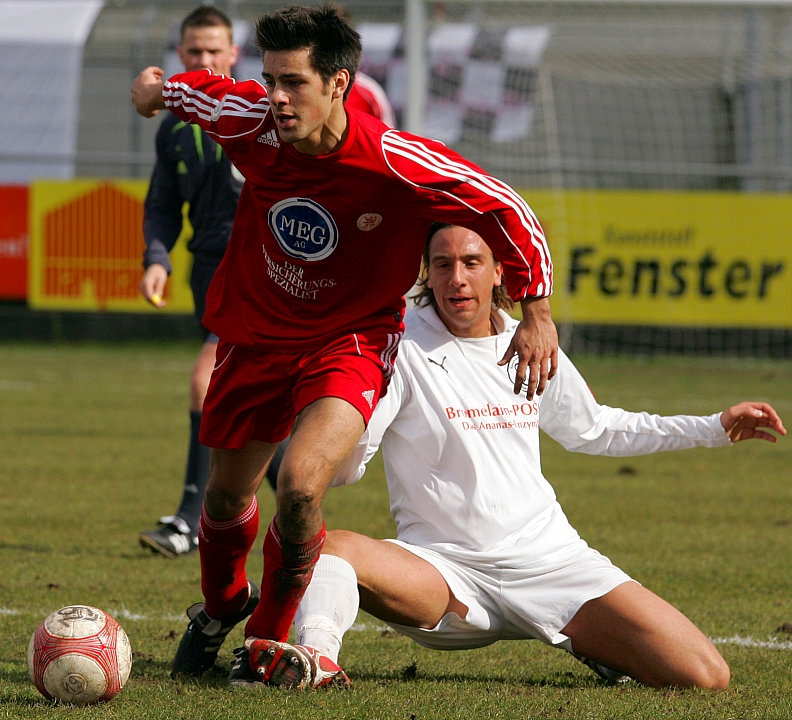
(682, 259)
(687, 259)
(13, 242)
(86, 248)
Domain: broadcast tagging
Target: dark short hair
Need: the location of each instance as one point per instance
(206, 16)
(425, 295)
(332, 42)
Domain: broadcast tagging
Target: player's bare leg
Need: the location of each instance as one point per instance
(330, 607)
(234, 478)
(381, 568)
(323, 437)
(632, 630)
(229, 526)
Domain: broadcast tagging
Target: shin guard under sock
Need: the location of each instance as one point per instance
(288, 568)
(224, 546)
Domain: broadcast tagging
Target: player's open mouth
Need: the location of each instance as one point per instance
(285, 121)
(460, 301)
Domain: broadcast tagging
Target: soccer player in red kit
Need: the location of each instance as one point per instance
(308, 300)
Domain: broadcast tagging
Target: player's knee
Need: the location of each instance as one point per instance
(711, 672)
(222, 503)
(302, 480)
(295, 503)
(717, 676)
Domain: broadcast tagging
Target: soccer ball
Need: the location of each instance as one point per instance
(79, 655)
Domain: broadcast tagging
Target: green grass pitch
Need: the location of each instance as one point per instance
(92, 448)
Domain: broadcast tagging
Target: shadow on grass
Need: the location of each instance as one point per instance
(565, 680)
(218, 678)
(22, 692)
(14, 700)
(27, 547)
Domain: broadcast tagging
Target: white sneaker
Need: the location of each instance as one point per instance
(294, 666)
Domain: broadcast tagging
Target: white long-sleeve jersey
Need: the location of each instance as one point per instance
(461, 450)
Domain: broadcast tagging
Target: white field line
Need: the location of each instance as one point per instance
(772, 644)
(128, 615)
(17, 385)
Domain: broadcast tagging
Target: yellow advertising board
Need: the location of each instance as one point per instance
(703, 259)
(669, 258)
(86, 248)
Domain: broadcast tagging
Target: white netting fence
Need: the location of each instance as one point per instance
(572, 94)
(658, 96)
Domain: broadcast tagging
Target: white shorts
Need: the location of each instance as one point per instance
(513, 604)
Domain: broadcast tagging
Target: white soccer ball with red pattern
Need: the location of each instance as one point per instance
(79, 655)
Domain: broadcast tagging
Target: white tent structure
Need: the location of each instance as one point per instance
(41, 46)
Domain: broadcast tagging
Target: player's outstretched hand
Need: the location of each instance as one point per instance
(147, 92)
(745, 420)
(535, 342)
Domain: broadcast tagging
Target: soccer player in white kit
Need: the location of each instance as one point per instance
(487, 549)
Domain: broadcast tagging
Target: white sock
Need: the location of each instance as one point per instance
(329, 607)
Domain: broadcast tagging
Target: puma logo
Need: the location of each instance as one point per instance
(441, 365)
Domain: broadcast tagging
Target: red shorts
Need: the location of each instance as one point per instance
(255, 395)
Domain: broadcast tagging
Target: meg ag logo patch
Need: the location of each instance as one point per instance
(303, 229)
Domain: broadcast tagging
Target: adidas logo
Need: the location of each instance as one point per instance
(269, 138)
(368, 396)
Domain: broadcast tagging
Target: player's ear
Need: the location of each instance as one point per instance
(498, 275)
(339, 83)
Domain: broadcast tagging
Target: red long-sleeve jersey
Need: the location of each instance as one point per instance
(327, 245)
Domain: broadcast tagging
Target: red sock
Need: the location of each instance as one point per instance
(224, 546)
(287, 571)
